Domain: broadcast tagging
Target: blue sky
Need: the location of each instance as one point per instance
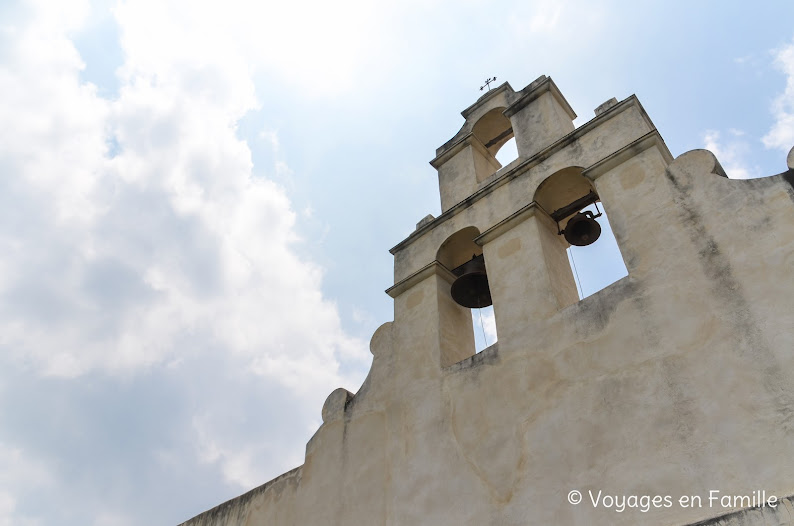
(197, 201)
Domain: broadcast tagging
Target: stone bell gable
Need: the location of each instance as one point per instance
(677, 380)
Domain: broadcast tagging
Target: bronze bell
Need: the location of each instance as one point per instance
(470, 289)
(582, 229)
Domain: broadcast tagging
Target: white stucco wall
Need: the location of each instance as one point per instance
(676, 380)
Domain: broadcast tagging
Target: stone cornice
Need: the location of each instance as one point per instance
(547, 85)
(629, 151)
(468, 140)
(505, 86)
(433, 268)
(506, 224)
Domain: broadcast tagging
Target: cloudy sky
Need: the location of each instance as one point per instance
(197, 201)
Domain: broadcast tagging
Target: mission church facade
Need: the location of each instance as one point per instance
(676, 382)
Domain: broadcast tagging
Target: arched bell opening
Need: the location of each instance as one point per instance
(495, 132)
(470, 289)
(570, 201)
(597, 265)
(508, 152)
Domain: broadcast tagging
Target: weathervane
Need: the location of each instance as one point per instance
(487, 83)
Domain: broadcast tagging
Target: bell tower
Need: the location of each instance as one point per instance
(536, 116)
(503, 233)
(674, 384)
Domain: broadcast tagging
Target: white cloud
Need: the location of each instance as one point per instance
(562, 24)
(119, 263)
(109, 518)
(546, 17)
(18, 472)
(734, 150)
(490, 326)
(238, 465)
(271, 137)
(484, 324)
(781, 135)
(316, 46)
(731, 153)
(171, 235)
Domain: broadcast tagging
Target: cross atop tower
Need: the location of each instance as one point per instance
(487, 83)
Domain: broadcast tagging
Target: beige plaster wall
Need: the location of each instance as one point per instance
(676, 380)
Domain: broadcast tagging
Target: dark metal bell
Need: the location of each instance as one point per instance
(582, 229)
(471, 288)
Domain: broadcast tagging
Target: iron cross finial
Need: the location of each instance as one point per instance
(487, 83)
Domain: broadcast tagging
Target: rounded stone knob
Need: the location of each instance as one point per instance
(334, 406)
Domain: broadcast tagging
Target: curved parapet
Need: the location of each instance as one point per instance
(380, 343)
(790, 159)
(698, 161)
(334, 406)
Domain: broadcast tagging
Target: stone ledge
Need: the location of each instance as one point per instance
(781, 515)
(423, 273)
(506, 224)
(237, 506)
(534, 92)
(629, 151)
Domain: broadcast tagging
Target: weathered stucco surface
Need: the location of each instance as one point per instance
(676, 380)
